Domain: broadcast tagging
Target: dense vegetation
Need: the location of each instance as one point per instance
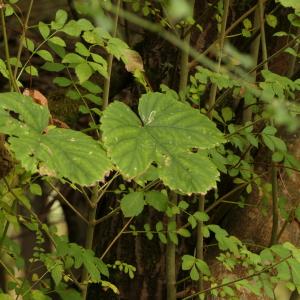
(146, 149)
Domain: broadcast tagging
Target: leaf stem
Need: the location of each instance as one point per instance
(22, 38)
(64, 199)
(89, 239)
(275, 213)
(266, 269)
(116, 238)
(171, 258)
(110, 59)
(184, 63)
(12, 82)
(200, 239)
(221, 40)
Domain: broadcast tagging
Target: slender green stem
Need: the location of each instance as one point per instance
(171, 258)
(109, 215)
(110, 59)
(116, 238)
(286, 222)
(184, 64)
(95, 192)
(266, 269)
(22, 38)
(89, 239)
(294, 59)
(266, 60)
(194, 62)
(263, 33)
(275, 213)
(247, 113)
(34, 52)
(12, 82)
(214, 88)
(200, 238)
(221, 199)
(64, 199)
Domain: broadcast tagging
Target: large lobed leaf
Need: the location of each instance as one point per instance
(170, 133)
(63, 153)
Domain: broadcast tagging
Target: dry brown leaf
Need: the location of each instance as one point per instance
(59, 123)
(37, 96)
(133, 61)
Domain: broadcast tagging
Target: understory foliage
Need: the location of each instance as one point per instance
(170, 150)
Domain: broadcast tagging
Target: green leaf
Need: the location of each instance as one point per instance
(62, 81)
(99, 59)
(268, 142)
(73, 58)
(149, 234)
(52, 67)
(57, 41)
(82, 49)
(162, 237)
(271, 20)
(38, 295)
(270, 130)
(29, 44)
(35, 117)
(297, 213)
(3, 69)
(280, 33)
(44, 29)
(35, 189)
(72, 28)
(227, 114)
(277, 156)
(279, 144)
(132, 204)
(89, 264)
(83, 72)
(283, 271)
(201, 216)
(247, 23)
(168, 129)
(184, 232)
(192, 221)
(280, 251)
(158, 200)
(85, 24)
(60, 19)
(116, 47)
(46, 55)
(203, 267)
(57, 272)
(189, 172)
(67, 294)
(291, 51)
(194, 274)
(290, 3)
(91, 87)
(32, 71)
(188, 262)
(295, 268)
(100, 68)
(5, 297)
(9, 10)
(59, 152)
(159, 226)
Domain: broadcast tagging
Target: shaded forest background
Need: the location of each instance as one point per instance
(252, 223)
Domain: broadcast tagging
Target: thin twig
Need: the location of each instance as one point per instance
(116, 238)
